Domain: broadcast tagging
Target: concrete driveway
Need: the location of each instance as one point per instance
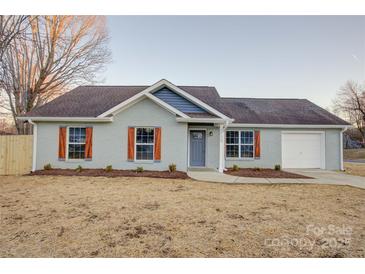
(362, 161)
(319, 177)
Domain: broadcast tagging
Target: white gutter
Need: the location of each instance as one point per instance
(68, 119)
(34, 153)
(203, 120)
(288, 126)
(341, 148)
(222, 164)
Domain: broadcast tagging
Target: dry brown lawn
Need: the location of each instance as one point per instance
(357, 169)
(50, 216)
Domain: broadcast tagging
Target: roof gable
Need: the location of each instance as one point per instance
(157, 86)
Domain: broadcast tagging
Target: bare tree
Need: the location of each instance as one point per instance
(11, 27)
(350, 102)
(63, 51)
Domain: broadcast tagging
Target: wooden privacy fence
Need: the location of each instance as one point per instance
(15, 154)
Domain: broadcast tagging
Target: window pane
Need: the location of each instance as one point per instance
(232, 151)
(71, 134)
(246, 137)
(77, 135)
(76, 151)
(197, 135)
(232, 137)
(247, 151)
(145, 135)
(82, 135)
(144, 152)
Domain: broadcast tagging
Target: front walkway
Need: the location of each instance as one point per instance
(320, 177)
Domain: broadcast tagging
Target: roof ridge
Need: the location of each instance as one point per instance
(190, 86)
(95, 86)
(267, 98)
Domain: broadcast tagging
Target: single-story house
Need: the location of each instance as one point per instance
(190, 126)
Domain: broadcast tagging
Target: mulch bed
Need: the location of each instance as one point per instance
(264, 173)
(114, 173)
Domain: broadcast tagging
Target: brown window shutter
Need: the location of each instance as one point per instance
(89, 144)
(131, 144)
(62, 143)
(157, 151)
(257, 144)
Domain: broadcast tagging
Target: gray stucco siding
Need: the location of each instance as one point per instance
(333, 149)
(271, 153)
(110, 140)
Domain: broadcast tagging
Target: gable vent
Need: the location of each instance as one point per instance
(177, 101)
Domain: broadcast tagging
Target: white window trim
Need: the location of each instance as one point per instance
(67, 144)
(240, 144)
(135, 146)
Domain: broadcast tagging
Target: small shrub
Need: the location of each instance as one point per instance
(78, 169)
(172, 167)
(47, 167)
(277, 167)
(257, 169)
(139, 169)
(109, 168)
(235, 168)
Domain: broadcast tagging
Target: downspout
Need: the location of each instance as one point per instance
(341, 148)
(222, 129)
(34, 162)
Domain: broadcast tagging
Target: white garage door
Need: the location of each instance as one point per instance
(302, 150)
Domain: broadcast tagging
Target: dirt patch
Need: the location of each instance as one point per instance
(64, 216)
(113, 173)
(264, 173)
(357, 169)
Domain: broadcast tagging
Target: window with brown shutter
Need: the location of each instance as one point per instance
(257, 144)
(89, 144)
(158, 144)
(131, 144)
(62, 143)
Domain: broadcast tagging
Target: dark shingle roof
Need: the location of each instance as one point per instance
(91, 101)
(278, 111)
(86, 101)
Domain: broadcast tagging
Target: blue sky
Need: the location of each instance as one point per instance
(242, 56)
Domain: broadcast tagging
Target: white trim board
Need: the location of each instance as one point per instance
(35, 139)
(341, 150)
(161, 84)
(67, 119)
(287, 126)
(201, 120)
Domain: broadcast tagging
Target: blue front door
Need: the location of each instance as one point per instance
(197, 148)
